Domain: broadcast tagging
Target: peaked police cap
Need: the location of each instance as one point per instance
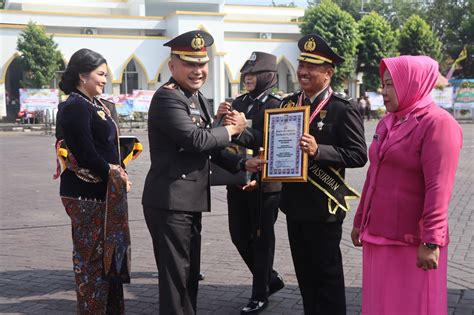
(191, 46)
(315, 50)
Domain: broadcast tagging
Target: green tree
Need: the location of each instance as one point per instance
(39, 56)
(453, 21)
(378, 40)
(2, 4)
(417, 38)
(395, 11)
(339, 29)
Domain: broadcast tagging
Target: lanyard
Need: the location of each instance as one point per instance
(320, 106)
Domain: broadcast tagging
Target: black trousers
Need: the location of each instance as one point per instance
(177, 238)
(318, 265)
(244, 220)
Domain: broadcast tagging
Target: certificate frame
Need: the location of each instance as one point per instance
(297, 118)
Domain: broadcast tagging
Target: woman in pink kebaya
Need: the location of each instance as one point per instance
(402, 219)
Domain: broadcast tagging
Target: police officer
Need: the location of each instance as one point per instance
(316, 209)
(177, 188)
(246, 214)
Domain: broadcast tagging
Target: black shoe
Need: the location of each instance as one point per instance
(254, 307)
(201, 276)
(276, 285)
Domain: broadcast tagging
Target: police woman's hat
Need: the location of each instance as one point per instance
(191, 46)
(315, 50)
(258, 62)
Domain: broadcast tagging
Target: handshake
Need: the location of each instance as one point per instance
(234, 121)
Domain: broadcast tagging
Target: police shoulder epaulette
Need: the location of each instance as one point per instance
(241, 96)
(170, 86)
(278, 97)
(290, 100)
(342, 96)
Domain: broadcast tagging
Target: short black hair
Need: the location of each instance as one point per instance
(82, 61)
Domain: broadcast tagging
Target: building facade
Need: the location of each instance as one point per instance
(130, 35)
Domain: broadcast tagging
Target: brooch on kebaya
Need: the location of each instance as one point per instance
(101, 114)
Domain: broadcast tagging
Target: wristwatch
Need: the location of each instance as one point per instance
(430, 245)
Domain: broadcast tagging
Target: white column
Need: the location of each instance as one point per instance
(153, 86)
(137, 8)
(234, 89)
(219, 81)
(116, 88)
(3, 105)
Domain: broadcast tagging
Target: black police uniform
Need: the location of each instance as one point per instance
(314, 233)
(244, 216)
(177, 188)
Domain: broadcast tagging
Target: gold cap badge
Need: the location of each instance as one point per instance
(310, 45)
(198, 42)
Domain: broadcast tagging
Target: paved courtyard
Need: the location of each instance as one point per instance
(35, 241)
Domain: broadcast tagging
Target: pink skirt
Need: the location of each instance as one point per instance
(392, 284)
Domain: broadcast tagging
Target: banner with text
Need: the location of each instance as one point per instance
(38, 99)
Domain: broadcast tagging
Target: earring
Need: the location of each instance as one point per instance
(84, 82)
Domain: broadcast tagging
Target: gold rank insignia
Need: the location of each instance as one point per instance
(289, 104)
(198, 42)
(101, 114)
(310, 45)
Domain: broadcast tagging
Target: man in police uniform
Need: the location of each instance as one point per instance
(251, 224)
(177, 188)
(316, 209)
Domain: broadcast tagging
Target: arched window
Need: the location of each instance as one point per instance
(285, 82)
(130, 79)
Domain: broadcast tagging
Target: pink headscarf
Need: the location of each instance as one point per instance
(414, 77)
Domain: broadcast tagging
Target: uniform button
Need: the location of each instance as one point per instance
(210, 172)
(183, 176)
(210, 157)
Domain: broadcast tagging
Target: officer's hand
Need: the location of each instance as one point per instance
(236, 119)
(309, 145)
(254, 164)
(355, 236)
(250, 186)
(427, 258)
(224, 109)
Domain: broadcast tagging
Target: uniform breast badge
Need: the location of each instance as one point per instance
(101, 115)
(322, 115)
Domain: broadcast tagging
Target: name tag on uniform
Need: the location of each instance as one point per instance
(196, 112)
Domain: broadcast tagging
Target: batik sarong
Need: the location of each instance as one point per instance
(101, 248)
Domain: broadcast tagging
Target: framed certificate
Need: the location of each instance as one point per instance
(283, 129)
